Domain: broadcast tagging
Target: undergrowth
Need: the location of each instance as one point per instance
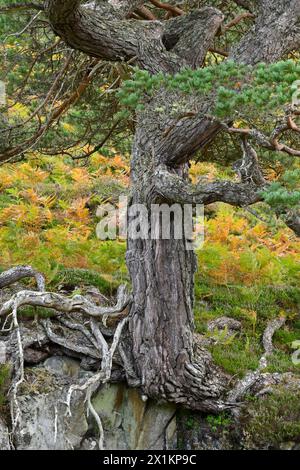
(248, 269)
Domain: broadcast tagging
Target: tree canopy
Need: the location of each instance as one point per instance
(56, 95)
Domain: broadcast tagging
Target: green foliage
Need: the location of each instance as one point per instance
(221, 337)
(237, 358)
(71, 278)
(254, 306)
(239, 250)
(4, 382)
(285, 193)
(191, 422)
(278, 196)
(219, 421)
(280, 362)
(29, 312)
(48, 216)
(237, 86)
(274, 419)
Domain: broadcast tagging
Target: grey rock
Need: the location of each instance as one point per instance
(62, 365)
(44, 425)
(2, 352)
(89, 444)
(4, 440)
(130, 423)
(34, 356)
(221, 323)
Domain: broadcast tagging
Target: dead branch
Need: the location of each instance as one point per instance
(20, 272)
(237, 20)
(54, 116)
(145, 13)
(270, 143)
(176, 11)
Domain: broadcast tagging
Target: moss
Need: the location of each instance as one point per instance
(39, 381)
(84, 277)
(188, 419)
(274, 419)
(29, 312)
(236, 358)
(233, 300)
(284, 337)
(254, 307)
(4, 383)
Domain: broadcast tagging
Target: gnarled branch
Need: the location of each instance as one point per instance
(20, 272)
(58, 302)
(99, 34)
(173, 188)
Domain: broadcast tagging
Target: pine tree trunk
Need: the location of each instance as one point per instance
(171, 129)
(162, 276)
(162, 273)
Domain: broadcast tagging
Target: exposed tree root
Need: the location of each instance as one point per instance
(102, 377)
(58, 302)
(201, 387)
(99, 349)
(20, 272)
(251, 378)
(19, 377)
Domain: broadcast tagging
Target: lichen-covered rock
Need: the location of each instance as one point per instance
(4, 437)
(44, 425)
(130, 423)
(221, 323)
(63, 366)
(2, 352)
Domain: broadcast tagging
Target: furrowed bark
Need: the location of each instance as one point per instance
(99, 34)
(197, 28)
(276, 33)
(162, 271)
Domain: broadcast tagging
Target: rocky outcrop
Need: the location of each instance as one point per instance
(131, 423)
(44, 425)
(223, 323)
(128, 421)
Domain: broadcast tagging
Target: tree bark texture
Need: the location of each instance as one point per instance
(162, 271)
